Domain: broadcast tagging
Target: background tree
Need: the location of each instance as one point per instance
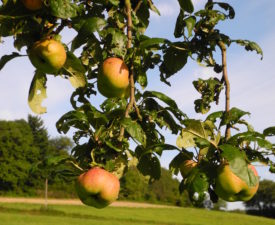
(41, 141)
(40, 133)
(51, 151)
(17, 155)
(24, 146)
(135, 186)
(263, 203)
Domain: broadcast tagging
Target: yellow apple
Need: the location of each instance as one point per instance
(48, 55)
(113, 78)
(232, 188)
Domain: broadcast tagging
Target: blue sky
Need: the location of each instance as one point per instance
(252, 80)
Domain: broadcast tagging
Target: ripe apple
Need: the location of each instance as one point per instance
(48, 55)
(113, 78)
(186, 167)
(33, 4)
(97, 187)
(232, 188)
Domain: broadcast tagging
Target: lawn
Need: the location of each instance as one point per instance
(32, 214)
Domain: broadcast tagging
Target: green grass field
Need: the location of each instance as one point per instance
(32, 214)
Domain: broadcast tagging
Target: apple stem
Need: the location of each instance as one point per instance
(227, 86)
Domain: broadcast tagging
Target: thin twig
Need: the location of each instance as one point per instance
(62, 25)
(137, 111)
(227, 86)
(138, 6)
(179, 48)
(76, 166)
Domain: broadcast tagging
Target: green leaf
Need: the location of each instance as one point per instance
(197, 184)
(202, 132)
(153, 7)
(233, 116)
(186, 140)
(173, 61)
(76, 119)
(6, 58)
(114, 2)
(270, 131)
(37, 92)
(227, 7)
(190, 23)
(186, 5)
(175, 164)
(88, 27)
(178, 32)
(149, 165)
(75, 70)
(134, 129)
(142, 79)
(63, 9)
(52, 161)
(272, 169)
(116, 41)
(146, 44)
(143, 15)
(165, 119)
(238, 164)
(109, 144)
(250, 46)
(161, 97)
(155, 148)
(250, 136)
(210, 90)
(214, 116)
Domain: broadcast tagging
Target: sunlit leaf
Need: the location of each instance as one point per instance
(6, 58)
(76, 71)
(135, 130)
(37, 93)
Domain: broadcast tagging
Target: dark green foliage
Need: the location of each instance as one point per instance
(210, 90)
(135, 186)
(40, 134)
(17, 154)
(6, 58)
(24, 146)
(263, 203)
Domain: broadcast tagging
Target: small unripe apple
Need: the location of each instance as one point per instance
(113, 78)
(186, 167)
(48, 55)
(232, 188)
(33, 4)
(97, 187)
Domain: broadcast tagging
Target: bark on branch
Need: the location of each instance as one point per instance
(227, 86)
(131, 76)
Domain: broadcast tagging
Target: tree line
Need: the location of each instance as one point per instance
(24, 146)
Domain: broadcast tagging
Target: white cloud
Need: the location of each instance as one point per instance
(166, 9)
